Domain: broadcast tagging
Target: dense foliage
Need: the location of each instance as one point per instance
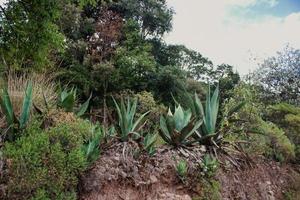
(46, 162)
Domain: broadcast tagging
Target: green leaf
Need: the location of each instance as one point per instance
(27, 102)
(83, 108)
(6, 107)
(164, 131)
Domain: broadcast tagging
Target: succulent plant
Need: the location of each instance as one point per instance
(126, 119)
(67, 100)
(175, 129)
(13, 122)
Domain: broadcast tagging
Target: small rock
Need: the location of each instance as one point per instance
(153, 179)
(123, 174)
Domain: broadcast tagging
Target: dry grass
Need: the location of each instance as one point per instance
(41, 84)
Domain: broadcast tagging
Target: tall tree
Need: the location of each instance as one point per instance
(279, 76)
(29, 33)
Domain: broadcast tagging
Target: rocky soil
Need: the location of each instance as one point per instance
(123, 174)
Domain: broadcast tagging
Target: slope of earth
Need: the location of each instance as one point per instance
(123, 174)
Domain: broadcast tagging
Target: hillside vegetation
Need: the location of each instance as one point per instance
(96, 105)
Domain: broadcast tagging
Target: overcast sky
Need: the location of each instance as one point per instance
(236, 31)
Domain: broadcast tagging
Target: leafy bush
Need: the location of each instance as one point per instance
(148, 103)
(281, 147)
(287, 117)
(46, 164)
(175, 129)
(248, 125)
(127, 124)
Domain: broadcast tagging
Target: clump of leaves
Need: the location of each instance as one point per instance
(46, 163)
(15, 124)
(209, 166)
(175, 129)
(149, 143)
(91, 148)
(207, 134)
(207, 130)
(181, 169)
(126, 119)
(67, 100)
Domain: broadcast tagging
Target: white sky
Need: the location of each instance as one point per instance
(210, 27)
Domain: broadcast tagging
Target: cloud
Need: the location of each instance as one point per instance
(210, 27)
(2, 1)
(246, 3)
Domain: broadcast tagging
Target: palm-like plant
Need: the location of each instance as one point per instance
(13, 122)
(175, 129)
(126, 119)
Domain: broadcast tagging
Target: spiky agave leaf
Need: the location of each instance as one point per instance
(27, 102)
(83, 108)
(149, 143)
(164, 130)
(6, 107)
(67, 100)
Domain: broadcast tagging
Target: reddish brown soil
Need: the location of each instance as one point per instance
(266, 180)
(121, 175)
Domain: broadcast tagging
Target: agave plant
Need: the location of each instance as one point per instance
(67, 101)
(208, 130)
(13, 122)
(175, 129)
(91, 148)
(149, 143)
(126, 117)
(182, 169)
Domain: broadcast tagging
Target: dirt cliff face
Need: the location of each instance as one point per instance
(264, 181)
(122, 174)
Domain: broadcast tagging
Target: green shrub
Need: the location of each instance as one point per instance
(148, 103)
(287, 117)
(259, 136)
(210, 190)
(281, 147)
(46, 163)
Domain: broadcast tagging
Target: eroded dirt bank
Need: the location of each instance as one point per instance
(119, 175)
